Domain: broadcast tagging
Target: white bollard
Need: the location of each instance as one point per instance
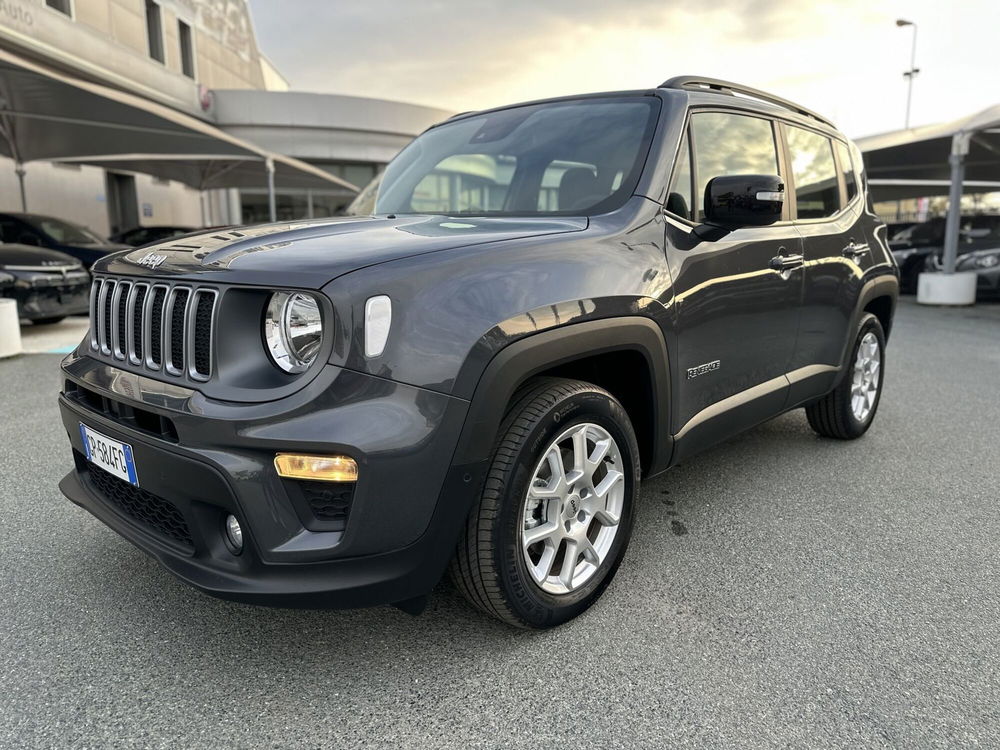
(947, 288)
(10, 328)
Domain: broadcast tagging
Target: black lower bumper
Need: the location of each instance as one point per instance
(391, 578)
(400, 532)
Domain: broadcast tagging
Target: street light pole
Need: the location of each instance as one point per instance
(909, 74)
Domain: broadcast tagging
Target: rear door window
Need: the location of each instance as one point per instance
(817, 193)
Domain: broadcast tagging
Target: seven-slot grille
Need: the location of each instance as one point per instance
(154, 325)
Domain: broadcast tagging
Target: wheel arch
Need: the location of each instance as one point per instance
(597, 351)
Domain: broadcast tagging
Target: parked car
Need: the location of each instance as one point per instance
(899, 230)
(47, 285)
(138, 236)
(984, 263)
(56, 234)
(916, 251)
(550, 301)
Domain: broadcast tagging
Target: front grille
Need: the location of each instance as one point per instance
(156, 326)
(142, 506)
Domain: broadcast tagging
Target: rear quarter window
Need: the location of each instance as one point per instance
(817, 192)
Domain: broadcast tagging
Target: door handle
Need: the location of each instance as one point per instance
(855, 249)
(785, 262)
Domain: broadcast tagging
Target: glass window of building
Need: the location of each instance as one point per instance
(63, 6)
(187, 49)
(817, 194)
(154, 30)
(727, 144)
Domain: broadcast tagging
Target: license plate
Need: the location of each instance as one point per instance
(111, 455)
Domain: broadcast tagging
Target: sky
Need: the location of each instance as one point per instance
(844, 59)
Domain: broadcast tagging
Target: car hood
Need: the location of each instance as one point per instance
(31, 256)
(311, 253)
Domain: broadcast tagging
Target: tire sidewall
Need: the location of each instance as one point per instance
(535, 606)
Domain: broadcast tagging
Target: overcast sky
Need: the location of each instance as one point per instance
(844, 59)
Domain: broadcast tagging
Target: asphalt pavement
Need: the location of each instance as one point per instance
(781, 591)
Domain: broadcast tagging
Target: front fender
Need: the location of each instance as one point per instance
(529, 356)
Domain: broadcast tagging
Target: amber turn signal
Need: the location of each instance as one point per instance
(317, 468)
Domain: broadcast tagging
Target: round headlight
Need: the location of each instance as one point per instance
(988, 261)
(293, 329)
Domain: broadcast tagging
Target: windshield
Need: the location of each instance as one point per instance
(571, 157)
(64, 232)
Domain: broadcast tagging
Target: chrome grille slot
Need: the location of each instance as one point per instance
(153, 336)
(200, 324)
(95, 306)
(176, 311)
(105, 322)
(134, 312)
(154, 326)
(119, 342)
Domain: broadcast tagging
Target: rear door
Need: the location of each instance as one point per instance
(827, 210)
(736, 315)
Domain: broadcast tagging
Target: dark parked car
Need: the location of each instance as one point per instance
(56, 234)
(550, 301)
(138, 236)
(920, 248)
(47, 285)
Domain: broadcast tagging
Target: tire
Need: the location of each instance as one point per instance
(491, 563)
(910, 273)
(48, 321)
(837, 414)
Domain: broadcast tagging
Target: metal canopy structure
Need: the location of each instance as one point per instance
(893, 190)
(966, 149)
(212, 171)
(46, 114)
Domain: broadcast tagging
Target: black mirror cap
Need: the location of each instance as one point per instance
(744, 200)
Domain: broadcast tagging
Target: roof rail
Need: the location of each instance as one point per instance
(728, 87)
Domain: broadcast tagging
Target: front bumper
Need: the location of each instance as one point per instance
(49, 301)
(206, 459)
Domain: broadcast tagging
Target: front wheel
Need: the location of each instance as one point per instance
(847, 411)
(555, 515)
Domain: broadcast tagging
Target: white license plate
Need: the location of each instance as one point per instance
(111, 455)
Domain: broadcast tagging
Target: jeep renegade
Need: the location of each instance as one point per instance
(549, 302)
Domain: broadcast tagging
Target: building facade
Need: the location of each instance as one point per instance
(201, 58)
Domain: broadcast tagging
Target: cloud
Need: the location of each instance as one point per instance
(843, 58)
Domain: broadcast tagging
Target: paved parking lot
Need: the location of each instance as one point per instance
(780, 591)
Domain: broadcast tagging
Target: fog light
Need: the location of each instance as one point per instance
(234, 534)
(318, 468)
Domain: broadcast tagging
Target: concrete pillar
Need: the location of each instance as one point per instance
(950, 288)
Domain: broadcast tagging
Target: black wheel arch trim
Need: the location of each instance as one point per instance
(534, 354)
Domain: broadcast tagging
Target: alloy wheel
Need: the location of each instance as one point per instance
(572, 508)
(865, 382)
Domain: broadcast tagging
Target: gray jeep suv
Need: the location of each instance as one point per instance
(550, 302)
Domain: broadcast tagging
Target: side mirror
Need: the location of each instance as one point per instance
(744, 200)
(26, 238)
